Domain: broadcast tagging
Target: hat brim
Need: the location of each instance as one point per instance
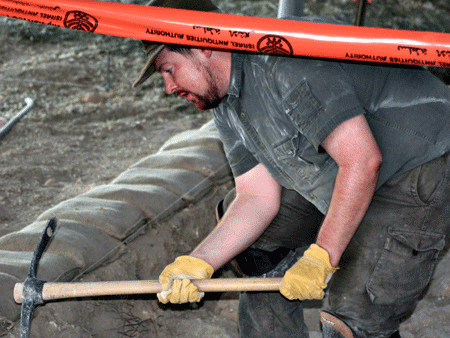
(149, 67)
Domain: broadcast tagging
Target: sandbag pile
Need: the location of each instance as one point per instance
(93, 225)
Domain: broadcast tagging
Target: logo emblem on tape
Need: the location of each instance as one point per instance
(274, 44)
(80, 21)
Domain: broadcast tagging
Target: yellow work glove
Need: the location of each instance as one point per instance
(307, 278)
(175, 280)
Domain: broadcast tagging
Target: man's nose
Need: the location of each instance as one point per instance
(171, 87)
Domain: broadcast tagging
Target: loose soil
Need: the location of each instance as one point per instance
(80, 135)
(87, 126)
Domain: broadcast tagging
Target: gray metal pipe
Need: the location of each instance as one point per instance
(7, 127)
(290, 8)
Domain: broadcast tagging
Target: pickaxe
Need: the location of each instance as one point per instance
(34, 292)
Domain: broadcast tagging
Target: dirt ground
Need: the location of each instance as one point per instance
(80, 135)
(87, 126)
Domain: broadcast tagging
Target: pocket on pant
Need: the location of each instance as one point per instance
(405, 265)
(430, 180)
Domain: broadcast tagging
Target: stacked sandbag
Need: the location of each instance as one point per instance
(79, 243)
(186, 168)
(93, 225)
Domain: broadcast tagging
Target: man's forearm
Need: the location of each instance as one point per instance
(355, 150)
(352, 194)
(245, 220)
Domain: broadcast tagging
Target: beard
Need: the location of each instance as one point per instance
(211, 98)
(208, 101)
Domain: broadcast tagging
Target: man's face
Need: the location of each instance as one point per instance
(189, 76)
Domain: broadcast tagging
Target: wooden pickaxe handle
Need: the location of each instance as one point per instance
(53, 291)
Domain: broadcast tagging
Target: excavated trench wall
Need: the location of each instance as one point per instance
(93, 226)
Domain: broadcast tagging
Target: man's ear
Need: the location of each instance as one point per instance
(202, 54)
(207, 52)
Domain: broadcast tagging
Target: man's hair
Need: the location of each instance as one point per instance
(153, 49)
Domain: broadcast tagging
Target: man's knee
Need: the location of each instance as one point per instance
(269, 314)
(333, 327)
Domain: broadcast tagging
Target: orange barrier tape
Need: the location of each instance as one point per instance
(235, 32)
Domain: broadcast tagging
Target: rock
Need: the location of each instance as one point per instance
(95, 98)
(430, 320)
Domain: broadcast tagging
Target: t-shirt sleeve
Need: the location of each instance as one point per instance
(317, 96)
(239, 158)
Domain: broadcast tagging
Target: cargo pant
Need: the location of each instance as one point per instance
(383, 272)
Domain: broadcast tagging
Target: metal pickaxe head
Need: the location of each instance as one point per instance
(32, 287)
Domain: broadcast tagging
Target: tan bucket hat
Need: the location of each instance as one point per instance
(152, 49)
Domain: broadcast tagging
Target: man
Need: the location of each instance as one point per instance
(350, 160)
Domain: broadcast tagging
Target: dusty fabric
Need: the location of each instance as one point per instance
(9, 308)
(276, 117)
(186, 184)
(14, 266)
(390, 259)
(118, 219)
(388, 263)
(202, 160)
(51, 268)
(92, 225)
(80, 244)
(269, 314)
(207, 136)
(154, 201)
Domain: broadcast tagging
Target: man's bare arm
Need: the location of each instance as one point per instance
(358, 157)
(257, 203)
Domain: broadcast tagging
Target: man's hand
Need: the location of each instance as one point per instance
(175, 280)
(309, 276)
